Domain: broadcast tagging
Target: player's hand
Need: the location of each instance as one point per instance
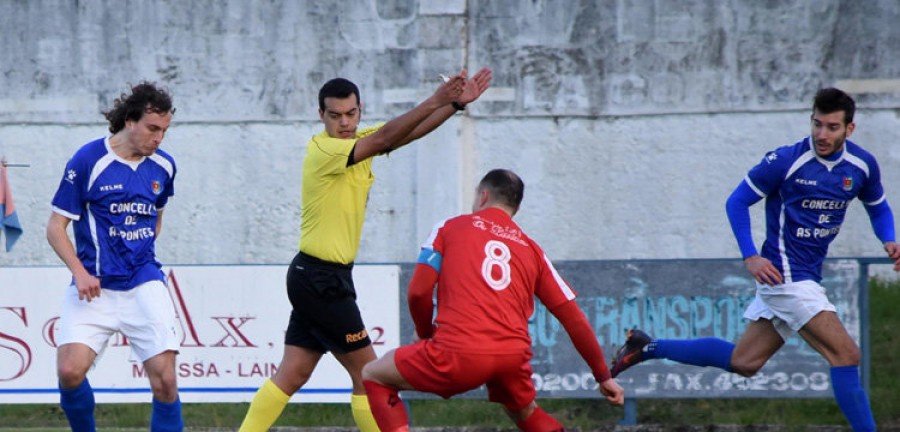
(763, 270)
(613, 392)
(475, 86)
(450, 90)
(893, 251)
(88, 286)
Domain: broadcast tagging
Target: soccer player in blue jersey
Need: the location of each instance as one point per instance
(114, 189)
(807, 187)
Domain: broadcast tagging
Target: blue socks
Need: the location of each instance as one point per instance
(848, 391)
(78, 404)
(851, 398)
(166, 417)
(698, 352)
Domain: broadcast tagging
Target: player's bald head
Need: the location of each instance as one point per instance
(504, 187)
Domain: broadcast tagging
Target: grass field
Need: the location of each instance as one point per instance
(581, 413)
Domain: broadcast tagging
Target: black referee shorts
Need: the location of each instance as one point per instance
(325, 316)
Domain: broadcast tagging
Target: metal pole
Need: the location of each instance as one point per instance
(630, 413)
(864, 325)
(408, 405)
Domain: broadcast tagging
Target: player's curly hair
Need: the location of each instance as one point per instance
(144, 97)
(829, 100)
(339, 88)
(505, 187)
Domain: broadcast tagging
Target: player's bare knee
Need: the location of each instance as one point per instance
(847, 357)
(164, 386)
(290, 382)
(746, 369)
(70, 376)
(166, 394)
(301, 379)
(71, 373)
(368, 372)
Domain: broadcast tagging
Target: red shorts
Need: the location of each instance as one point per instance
(447, 373)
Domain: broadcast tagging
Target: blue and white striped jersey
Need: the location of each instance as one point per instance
(113, 203)
(806, 201)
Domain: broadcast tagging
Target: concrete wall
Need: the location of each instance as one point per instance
(630, 121)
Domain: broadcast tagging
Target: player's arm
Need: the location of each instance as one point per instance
(473, 89)
(88, 286)
(738, 209)
(419, 298)
(585, 341)
(390, 136)
(882, 219)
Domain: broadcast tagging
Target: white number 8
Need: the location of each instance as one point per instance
(497, 254)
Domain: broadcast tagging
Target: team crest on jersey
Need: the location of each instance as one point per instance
(157, 187)
(771, 157)
(848, 183)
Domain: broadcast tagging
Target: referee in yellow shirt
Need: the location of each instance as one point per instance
(337, 176)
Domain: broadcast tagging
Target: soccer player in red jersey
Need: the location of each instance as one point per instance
(487, 272)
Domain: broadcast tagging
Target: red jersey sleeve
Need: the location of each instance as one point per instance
(421, 291)
(551, 289)
(583, 337)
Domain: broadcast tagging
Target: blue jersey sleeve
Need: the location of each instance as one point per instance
(167, 163)
(70, 196)
(169, 190)
(882, 219)
(766, 177)
(872, 192)
(738, 209)
(872, 196)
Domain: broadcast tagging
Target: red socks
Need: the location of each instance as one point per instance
(539, 421)
(387, 408)
(390, 414)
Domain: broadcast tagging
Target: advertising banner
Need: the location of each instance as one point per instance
(232, 322)
(674, 299)
(233, 317)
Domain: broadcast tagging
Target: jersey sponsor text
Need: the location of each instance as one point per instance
(131, 207)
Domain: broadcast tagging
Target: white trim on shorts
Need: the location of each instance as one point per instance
(789, 306)
(144, 314)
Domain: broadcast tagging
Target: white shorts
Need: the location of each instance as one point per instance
(144, 314)
(789, 306)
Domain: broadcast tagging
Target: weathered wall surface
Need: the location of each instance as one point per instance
(630, 121)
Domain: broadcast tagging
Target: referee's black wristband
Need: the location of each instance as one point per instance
(458, 106)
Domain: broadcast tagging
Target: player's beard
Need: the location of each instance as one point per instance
(834, 148)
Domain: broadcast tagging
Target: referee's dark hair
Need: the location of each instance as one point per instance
(144, 97)
(504, 186)
(829, 100)
(340, 88)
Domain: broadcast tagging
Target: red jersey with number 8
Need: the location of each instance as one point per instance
(489, 274)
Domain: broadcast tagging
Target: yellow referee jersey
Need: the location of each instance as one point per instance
(333, 204)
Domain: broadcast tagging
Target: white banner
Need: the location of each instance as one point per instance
(232, 319)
